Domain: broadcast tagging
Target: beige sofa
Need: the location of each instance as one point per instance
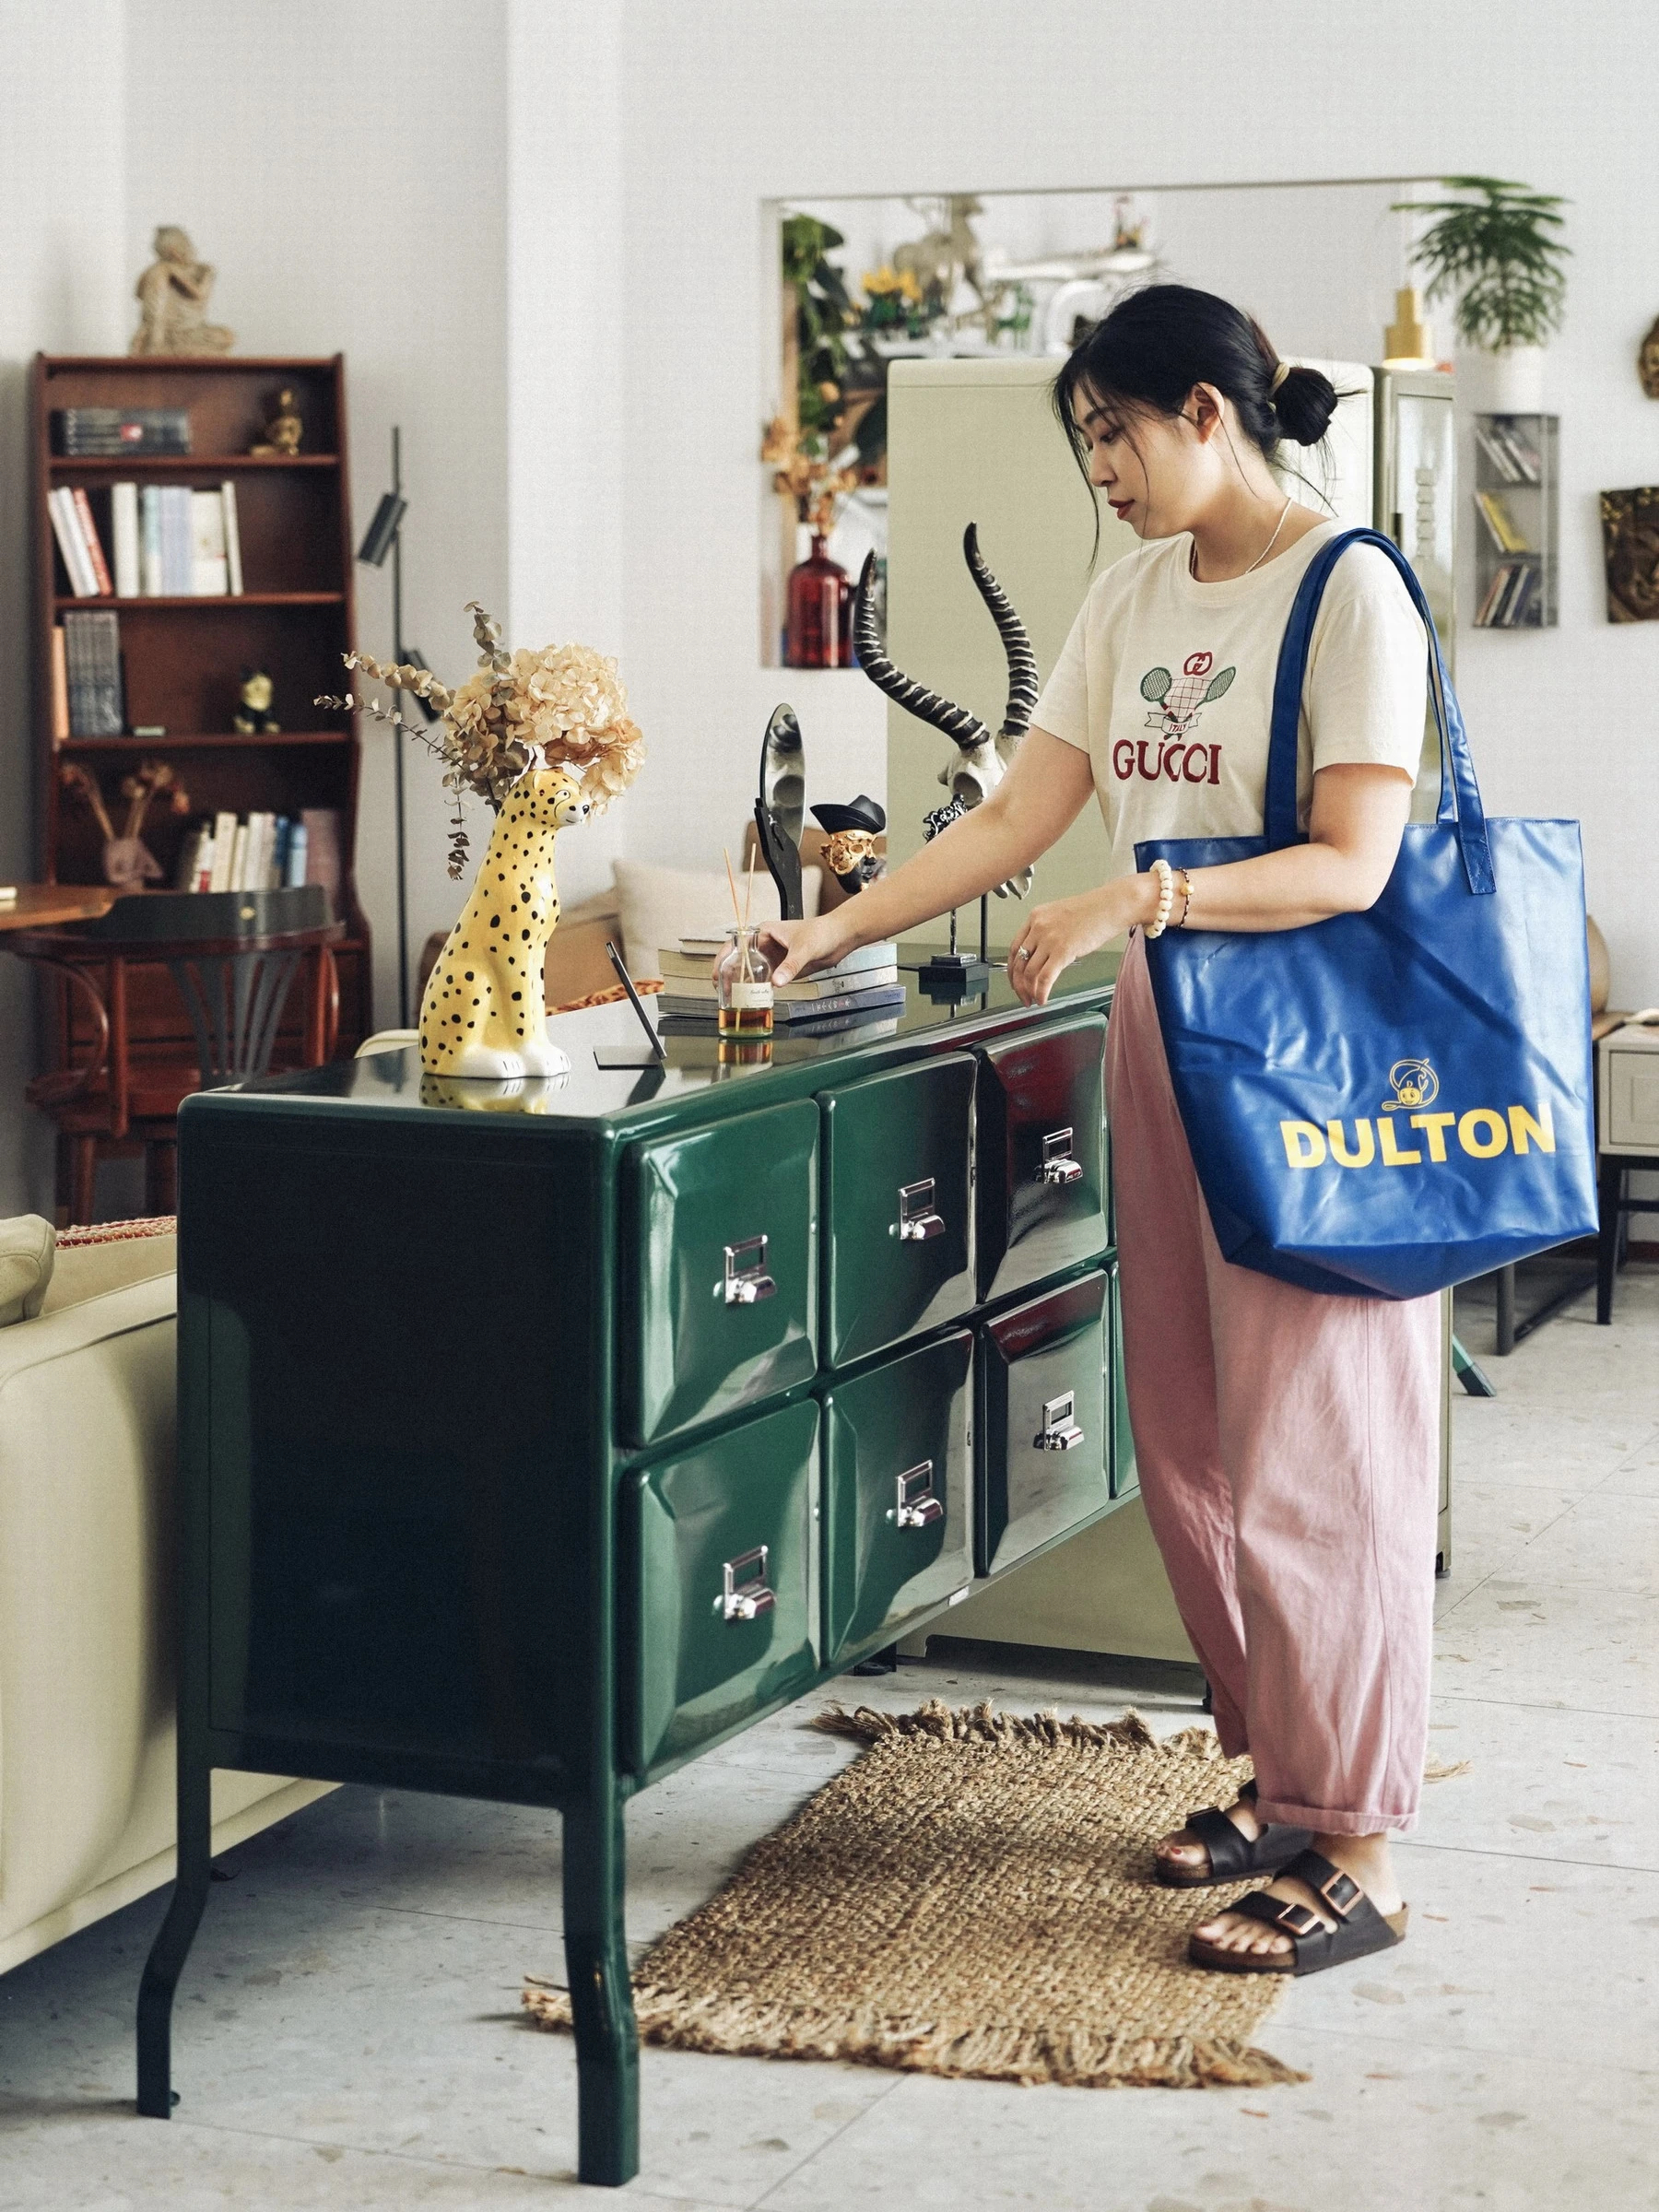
(86, 1593)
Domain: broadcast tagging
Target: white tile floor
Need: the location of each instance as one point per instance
(348, 2030)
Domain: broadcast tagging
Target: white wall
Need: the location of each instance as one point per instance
(342, 165)
(729, 103)
(62, 281)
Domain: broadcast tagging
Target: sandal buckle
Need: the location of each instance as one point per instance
(1299, 1921)
(1339, 1892)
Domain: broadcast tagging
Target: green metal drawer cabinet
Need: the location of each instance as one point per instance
(534, 1438)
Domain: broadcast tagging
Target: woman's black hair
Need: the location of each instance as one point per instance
(1148, 351)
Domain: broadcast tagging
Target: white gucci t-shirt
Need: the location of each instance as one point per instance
(1167, 684)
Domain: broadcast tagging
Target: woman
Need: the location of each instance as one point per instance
(1288, 1441)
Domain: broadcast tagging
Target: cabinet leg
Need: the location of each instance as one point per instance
(173, 1939)
(608, 2052)
(1607, 1243)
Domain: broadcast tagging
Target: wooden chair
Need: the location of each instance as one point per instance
(234, 956)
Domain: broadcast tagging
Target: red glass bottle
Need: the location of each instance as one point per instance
(818, 631)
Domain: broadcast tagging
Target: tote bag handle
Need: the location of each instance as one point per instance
(1460, 805)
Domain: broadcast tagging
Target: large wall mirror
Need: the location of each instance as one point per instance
(919, 338)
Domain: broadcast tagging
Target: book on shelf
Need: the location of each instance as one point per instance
(123, 534)
(1501, 526)
(322, 828)
(101, 433)
(94, 544)
(692, 960)
(60, 685)
(92, 674)
(224, 850)
(232, 539)
(1515, 456)
(149, 543)
(786, 1010)
(210, 568)
(71, 545)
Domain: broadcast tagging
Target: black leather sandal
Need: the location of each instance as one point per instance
(1231, 1853)
(1360, 1928)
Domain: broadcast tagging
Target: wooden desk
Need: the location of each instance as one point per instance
(48, 905)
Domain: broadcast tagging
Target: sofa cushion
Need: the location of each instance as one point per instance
(27, 1254)
(662, 905)
(109, 1256)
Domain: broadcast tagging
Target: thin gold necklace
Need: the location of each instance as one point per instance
(1261, 557)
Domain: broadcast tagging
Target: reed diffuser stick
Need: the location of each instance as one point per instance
(732, 881)
(749, 889)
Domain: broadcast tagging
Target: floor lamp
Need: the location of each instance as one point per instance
(383, 536)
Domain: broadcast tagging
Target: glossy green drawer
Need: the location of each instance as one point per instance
(1045, 1455)
(898, 1198)
(1040, 1155)
(898, 1482)
(1126, 1477)
(719, 1255)
(718, 1618)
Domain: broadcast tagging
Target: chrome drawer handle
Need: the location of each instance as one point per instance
(917, 1221)
(1058, 1166)
(917, 1507)
(745, 1275)
(1059, 1432)
(745, 1596)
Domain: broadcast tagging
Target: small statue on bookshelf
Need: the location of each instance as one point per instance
(255, 718)
(128, 863)
(173, 296)
(285, 429)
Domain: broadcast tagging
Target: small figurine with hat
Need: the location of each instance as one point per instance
(850, 851)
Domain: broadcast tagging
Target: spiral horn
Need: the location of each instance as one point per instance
(1023, 685)
(915, 699)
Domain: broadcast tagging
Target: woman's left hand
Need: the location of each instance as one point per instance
(1065, 930)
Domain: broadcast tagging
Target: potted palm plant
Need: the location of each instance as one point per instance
(1498, 252)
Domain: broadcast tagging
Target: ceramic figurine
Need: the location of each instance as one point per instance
(173, 296)
(850, 851)
(778, 809)
(128, 863)
(544, 739)
(255, 718)
(981, 759)
(283, 431)
(483, 1012)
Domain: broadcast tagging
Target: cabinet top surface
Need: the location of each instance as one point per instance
(393, 1083)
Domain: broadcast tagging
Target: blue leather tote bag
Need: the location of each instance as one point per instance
(1381, 1104)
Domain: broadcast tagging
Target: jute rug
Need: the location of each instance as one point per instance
(972, 1897)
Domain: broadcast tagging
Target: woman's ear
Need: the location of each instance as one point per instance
(1203, 411)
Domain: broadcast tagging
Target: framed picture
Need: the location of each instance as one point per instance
(1630, 544)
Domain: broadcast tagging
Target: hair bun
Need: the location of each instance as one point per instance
(1304, 402)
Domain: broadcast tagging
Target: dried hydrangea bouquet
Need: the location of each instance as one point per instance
(544, 738)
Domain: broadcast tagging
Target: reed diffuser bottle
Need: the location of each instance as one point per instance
(743, 986)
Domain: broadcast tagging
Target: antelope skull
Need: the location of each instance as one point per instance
(981, 759)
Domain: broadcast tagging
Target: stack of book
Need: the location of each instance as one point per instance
(91, 675)
(260, 854)
(168, 541)
(1511, 599)
(99, 433)
(1515, 460)
(865, 982)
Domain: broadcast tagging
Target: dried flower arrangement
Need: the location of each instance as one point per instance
(544, 739)
(816, 487)
(562, 706)
(127, 860)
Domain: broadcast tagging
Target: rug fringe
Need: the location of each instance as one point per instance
(985, 2052)
(936, 1722)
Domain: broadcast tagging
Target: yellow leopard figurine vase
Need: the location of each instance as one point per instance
(482, 1013)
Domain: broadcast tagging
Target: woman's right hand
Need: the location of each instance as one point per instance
(800, 948)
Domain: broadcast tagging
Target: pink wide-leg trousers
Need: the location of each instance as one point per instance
(1288, 1446)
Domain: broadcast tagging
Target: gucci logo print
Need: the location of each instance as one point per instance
(1176, 703)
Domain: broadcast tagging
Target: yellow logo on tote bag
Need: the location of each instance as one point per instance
(1413, 1083)
(1482, 1132)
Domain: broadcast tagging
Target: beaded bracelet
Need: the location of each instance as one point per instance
(1186, 903)
(1165, 878)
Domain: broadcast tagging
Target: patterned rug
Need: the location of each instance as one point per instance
(972, 1897)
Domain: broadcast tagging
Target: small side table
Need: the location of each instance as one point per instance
(1627, 1098)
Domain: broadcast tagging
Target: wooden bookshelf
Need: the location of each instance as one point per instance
(183, 658)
